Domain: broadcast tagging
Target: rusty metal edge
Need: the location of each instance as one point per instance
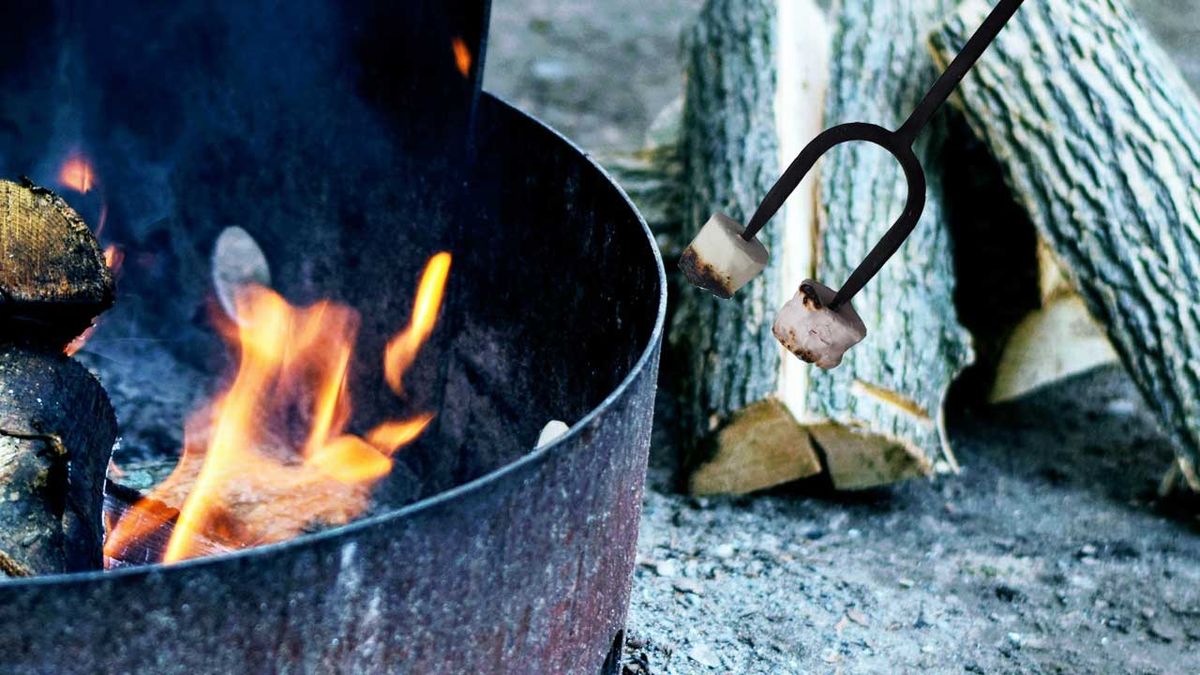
(533, 457)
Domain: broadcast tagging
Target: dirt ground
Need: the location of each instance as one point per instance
(1049, 553)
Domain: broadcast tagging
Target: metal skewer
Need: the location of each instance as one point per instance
(899, 143)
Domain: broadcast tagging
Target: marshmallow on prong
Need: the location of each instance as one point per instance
(719, 260)
(808, 328)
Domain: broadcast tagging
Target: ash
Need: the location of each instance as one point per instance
(1050, 552)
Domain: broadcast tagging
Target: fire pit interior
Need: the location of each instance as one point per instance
(350, 144)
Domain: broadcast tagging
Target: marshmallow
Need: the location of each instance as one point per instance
(719, 260)
(808, 328)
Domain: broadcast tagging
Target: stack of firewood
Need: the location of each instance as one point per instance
(1062, 229)
(56, 425)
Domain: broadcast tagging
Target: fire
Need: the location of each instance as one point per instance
(271, 457)
(402, 349)
(77, 174)
(462, 56)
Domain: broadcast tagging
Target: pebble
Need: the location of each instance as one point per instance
(688, 586)
(551, 71)
(905, 582)
(704, 655)
(1121, 406)
(1166, 631)
(667, 568)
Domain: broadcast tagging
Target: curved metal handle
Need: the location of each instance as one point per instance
(899, 148)
(898, 143)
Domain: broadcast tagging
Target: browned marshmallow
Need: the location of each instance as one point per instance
(808, 328)
(719, 260)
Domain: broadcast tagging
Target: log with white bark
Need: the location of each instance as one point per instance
(1099, 137)
(757, 76)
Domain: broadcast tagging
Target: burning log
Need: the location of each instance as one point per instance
(56, 435)
(757, 78)
(54, 281)
(271, 457)
(1101, 149)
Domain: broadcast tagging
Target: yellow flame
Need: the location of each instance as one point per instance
(402, 349)
(244, 479)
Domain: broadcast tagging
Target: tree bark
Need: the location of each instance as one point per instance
(756, 74)
(56, 436)
(1099, 138)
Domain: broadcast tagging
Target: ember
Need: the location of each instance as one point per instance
(270, 458)
(462, 56)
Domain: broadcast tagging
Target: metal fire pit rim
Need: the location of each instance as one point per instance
(532, 457)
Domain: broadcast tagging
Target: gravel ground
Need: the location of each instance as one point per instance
(1049, 553)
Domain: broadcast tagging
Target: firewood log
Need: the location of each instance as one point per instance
(1099, 138)
(53, 278)
(56, 436)
(757, 75)
(1058, 339)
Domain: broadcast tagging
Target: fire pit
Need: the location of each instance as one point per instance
(351, 143)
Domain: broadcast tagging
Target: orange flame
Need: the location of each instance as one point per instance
(462, 56)
(270, 457)
(402, 349)
(77, 174)
(113, 257)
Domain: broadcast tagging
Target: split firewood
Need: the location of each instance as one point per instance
(757, 79)
(56, 435)
(53, 280)
(1101, 149)
(1058, 339)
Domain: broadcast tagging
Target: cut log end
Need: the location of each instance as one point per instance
(54, 281)
(763, 446)
(859, 461)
